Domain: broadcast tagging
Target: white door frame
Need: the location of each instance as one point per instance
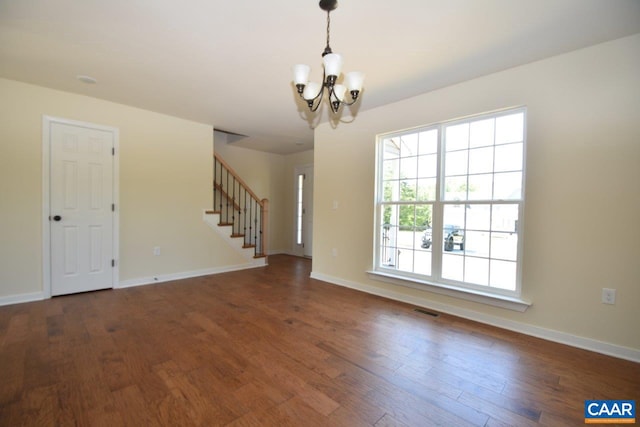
(296, 171)
(47, 121)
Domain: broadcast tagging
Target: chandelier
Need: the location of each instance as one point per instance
(313, 92)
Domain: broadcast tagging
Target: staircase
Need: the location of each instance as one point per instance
(238, 214)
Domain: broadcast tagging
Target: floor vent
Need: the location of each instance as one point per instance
(427, 312)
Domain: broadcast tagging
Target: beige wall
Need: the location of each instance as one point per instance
(165, 175)
(582, 213)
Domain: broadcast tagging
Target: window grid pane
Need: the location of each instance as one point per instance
(479, 234)
(405, 244)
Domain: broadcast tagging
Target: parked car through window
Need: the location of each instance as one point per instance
(453, 236)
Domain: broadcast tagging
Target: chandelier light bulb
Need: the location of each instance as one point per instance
(354, 81)
(339, 91)
(301, 74)
(311, 91)
(332, 64)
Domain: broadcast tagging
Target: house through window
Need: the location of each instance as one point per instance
(450, 202)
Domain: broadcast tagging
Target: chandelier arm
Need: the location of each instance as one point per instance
(353, 101)
(318, 97)
(334, 102)
(312, 101)
(317, 105)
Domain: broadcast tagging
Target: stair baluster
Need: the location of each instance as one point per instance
(243, 208)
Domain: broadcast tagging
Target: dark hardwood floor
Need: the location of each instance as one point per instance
(273, 347)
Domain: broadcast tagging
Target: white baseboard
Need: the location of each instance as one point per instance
(142, 281)
(277, 252)
(609, 349)
(19, 299)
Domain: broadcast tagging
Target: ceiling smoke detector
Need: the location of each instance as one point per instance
(87, 79)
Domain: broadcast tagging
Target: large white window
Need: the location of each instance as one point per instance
(450, 203)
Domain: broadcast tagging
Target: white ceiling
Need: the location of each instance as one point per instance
(227, 63)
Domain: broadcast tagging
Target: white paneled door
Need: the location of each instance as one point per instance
(81, 209)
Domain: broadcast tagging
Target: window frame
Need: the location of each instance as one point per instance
(436, 279)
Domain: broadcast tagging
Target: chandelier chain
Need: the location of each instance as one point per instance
(328, 26)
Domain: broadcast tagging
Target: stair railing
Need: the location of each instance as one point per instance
(239, 207)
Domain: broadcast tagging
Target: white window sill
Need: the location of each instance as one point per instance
(502, 301)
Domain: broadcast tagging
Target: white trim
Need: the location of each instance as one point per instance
(297, 250)
(46, 224)
(278, 252)
(590, 344)
(46, 198)
(496, 300)
(22, 298)
(142, 281)
(39, 296)
(116, 201)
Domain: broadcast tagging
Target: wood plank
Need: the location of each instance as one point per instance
(388, 421)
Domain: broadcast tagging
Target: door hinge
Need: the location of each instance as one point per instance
(113, 207)
(113, 151)
(113, 263)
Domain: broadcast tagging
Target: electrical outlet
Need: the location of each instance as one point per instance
(608, 296)
(334, 252)
(156, 251)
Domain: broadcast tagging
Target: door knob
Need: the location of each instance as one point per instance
(57, 218)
